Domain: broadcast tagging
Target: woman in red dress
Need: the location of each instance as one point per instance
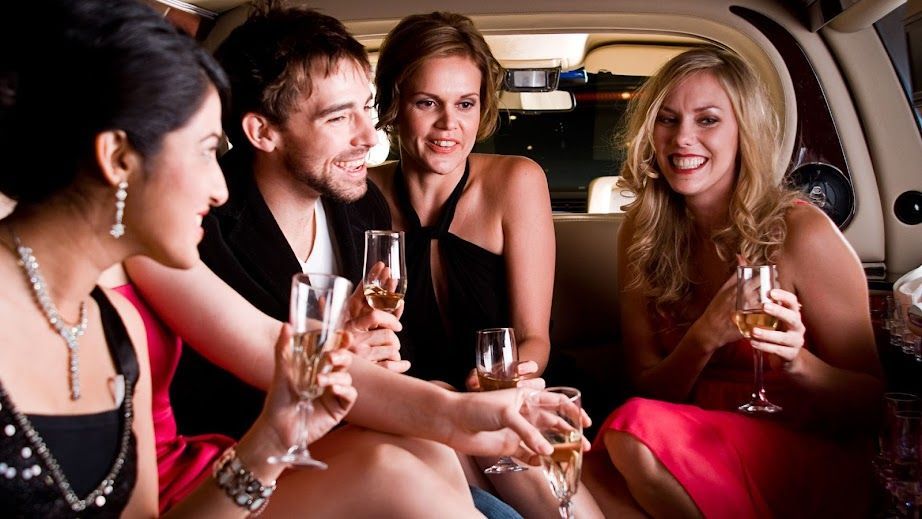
(703, 155)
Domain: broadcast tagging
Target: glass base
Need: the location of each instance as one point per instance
(298, 457)
(759, 407)
(503, 466)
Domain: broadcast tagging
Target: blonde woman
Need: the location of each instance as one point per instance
(702, 144)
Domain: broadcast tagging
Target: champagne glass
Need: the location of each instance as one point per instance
(753, 284)
(557, 413)
(385, 270)
(894, 404)
(316, 316)
(497, 361)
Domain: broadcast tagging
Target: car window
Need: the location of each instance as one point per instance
(573, 147)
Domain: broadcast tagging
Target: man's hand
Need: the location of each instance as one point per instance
(374, 334)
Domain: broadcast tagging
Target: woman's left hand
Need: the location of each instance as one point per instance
(787, 341)
(281, 408)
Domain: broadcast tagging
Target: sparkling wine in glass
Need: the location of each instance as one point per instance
(556, 413)
(316, 316)
(753, 284)
(385, 270)
(497, 360)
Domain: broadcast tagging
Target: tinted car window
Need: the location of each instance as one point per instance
(573, 147)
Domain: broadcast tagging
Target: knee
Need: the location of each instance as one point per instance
(404, 473)
(433, 453)
(384, 465)
(384, 461)
(439, 458)
(634, 460)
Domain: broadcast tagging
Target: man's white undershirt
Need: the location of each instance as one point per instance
(322, 257)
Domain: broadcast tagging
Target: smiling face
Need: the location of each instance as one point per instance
(439, 115)
(166, 201)
(696, 139)
(324, 142)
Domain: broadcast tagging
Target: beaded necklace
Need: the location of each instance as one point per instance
(70, 334)
(98, 496)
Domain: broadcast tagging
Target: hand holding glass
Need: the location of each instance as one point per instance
(497, 359)
(316, 316)
(557, 413)
(385, 270)
(753, 284)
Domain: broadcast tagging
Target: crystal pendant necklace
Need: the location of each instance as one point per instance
(70, 334)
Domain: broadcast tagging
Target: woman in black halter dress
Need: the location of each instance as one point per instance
(479, 235)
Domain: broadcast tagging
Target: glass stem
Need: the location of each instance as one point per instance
(306, 407)
(759, 391)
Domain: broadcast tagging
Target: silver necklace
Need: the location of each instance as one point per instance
(70, 334)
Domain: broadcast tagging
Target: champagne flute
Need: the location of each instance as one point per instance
(497, 361)
(385, 270)
(316, 316)
(557, 413)
(894, 403)
(753, 284)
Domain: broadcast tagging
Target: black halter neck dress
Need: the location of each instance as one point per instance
(73, 465)
(438, 335)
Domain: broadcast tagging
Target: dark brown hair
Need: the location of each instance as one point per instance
(420, 37)
(271, 56)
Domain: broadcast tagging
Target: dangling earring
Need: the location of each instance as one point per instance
(118, 229)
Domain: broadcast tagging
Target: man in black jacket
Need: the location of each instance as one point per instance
(299, 200)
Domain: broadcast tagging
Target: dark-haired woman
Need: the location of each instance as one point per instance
(133, 173)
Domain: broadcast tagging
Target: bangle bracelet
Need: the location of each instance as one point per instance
(244, 489)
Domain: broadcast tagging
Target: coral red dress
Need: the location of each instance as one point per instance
(182, 461)
(737, 466)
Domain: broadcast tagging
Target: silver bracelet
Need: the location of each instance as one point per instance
(244, 489)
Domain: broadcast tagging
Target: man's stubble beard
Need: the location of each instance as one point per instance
(326, 186)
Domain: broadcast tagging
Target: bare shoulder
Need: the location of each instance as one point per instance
(810, 231)
(508, 164)
(508, 173)
(815, 250)
(130, 317)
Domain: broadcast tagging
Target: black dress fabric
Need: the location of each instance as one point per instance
(85, 447)
(438, 336)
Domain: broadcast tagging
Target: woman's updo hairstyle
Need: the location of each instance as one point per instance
(95, 66)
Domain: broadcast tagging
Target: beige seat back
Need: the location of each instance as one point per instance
(585, 343)
(584, 309)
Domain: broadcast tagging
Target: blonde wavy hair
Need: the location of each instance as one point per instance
(661, 247)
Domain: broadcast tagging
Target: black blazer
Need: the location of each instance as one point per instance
(244, 245)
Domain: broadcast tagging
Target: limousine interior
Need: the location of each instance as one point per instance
(839, 72)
